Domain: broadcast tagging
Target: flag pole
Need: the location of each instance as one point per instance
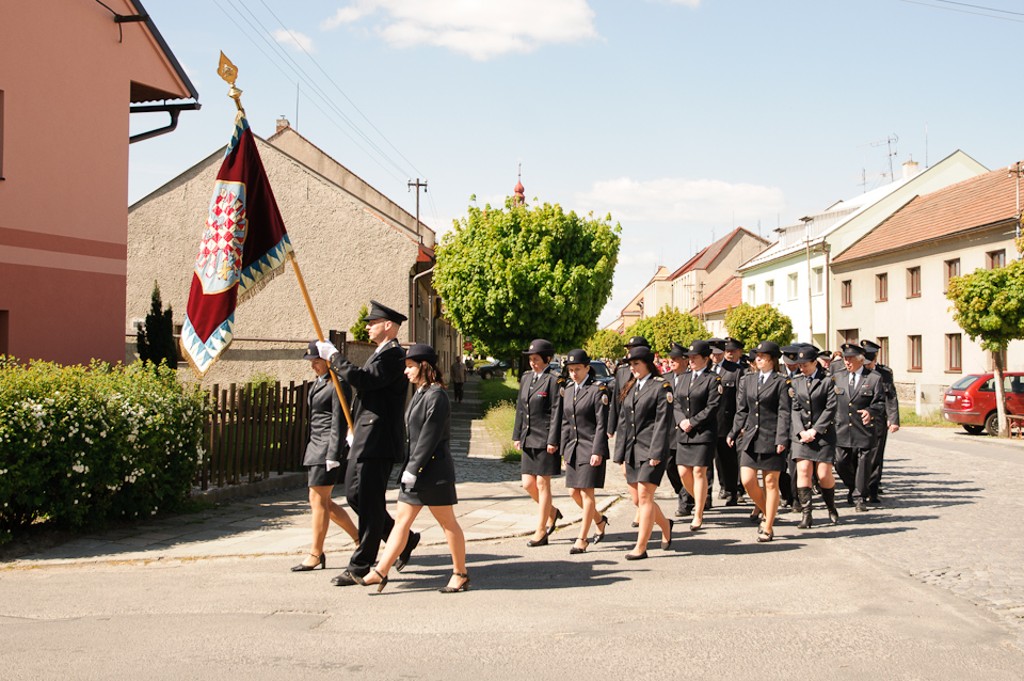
(229, 73)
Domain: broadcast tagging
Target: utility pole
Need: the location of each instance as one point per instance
(417, 184)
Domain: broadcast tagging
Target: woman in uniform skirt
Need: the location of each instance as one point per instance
(536, 434)
(760, 432)
(813, 432)
(642, 443)
(697, 396)
(324, 459)
(584, 443)
(428, 474)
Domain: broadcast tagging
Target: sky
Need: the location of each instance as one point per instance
(682, 119)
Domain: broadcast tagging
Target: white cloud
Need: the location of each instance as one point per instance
(481, 30)
(294, 39)
(680, 200)
(684, 3)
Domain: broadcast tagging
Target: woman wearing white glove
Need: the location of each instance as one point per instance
(428, 475)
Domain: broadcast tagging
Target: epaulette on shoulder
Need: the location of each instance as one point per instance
(666, 385)
(560, 380)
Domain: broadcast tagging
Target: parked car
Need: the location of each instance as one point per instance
(971, 401)
(495, 369)
(601, 374)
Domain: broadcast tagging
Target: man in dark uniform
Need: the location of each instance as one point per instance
(892, 417)
(860, 400)
(378, 440)
(726, 460)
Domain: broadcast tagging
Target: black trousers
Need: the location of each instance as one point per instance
(366, 483)
(727, 461)
(458, 391)
(877, 456)
(672, 471)
(853, 464)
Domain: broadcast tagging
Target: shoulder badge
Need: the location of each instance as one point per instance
(668, 397)
(721, 390)
(561, 392)
(604, 399)
(839, 391)
(792, 393)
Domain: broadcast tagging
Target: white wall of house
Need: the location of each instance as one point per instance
(774, 284)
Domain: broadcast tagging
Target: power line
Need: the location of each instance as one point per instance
(966, 11)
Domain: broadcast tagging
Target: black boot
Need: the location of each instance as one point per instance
(804, 495)
(828, 495)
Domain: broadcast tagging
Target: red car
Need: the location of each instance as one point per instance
(971, 401)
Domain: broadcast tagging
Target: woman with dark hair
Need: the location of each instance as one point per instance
(324, 459)
(813, 432)
(760, 432)
(584, 443)
(697, 395)
(428, 475)
(642, 444)
(536, 434)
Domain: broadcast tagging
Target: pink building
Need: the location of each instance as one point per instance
(70, 73)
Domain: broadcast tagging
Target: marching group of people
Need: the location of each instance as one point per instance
(773, 424)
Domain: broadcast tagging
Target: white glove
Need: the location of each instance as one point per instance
(331, 465)
(408, 479)
(349, 439)
(326, 349)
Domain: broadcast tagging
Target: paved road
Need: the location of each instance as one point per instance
(928, 586)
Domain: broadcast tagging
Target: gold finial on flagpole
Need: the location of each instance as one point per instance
(229, 73)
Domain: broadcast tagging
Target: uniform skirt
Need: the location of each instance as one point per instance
(696, 454)
(582, 475)
(319, 476)
(442, 494)
(826, 454)
(644, 472)
(537, 461)
(764, 461)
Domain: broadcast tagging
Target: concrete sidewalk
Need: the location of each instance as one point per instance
(492, 505)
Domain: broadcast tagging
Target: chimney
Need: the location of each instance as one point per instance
(283, 124)
(909, 169)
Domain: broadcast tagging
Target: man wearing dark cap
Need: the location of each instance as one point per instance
(892, 416)
(734, 353)
(860, 399)
(727, 460)
(378, 438)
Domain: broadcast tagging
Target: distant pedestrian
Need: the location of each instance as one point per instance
(458, 378)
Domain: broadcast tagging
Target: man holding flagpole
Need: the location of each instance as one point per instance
(378, 437)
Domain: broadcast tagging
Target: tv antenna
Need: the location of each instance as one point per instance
(890, 143)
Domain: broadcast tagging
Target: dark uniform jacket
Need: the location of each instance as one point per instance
(584, 418)
(892, 402)
(645, 422)
(730, 373)
(428, 443)
(325, 437)
(381, 386)
(698, 400)
(537, 420)
(762, 414)
(869, 394)
(620, 379)
(814, 406)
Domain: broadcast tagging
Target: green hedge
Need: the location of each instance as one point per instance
(83, 445)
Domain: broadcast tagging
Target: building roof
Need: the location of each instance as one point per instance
(726, 296)
(706, 256)
(976, 202)
(141, 92)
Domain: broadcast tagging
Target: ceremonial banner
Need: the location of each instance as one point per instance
(244, 245)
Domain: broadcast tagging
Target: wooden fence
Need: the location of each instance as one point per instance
(253, 430)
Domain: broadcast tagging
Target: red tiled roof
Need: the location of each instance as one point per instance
(703, 259)
(979, 201)
(722, 298)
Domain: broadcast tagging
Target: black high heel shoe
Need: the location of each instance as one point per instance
(543, 541)
(558, 516)
(576, 550)
(598, 536)
(456, 589)
(302, 567)
(381, 584)
(667, 543)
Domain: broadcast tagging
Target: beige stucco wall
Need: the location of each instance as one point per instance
(929, 315)
(688, 288)
(348, 254)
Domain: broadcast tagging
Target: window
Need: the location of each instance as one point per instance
(752, 294)
(883, 350)
(914, 353)
(847, 293)
(818, 280)
(881, 287)
(951, 269)
(953, 353)
(769, 291)
(1, 134)
(994, 259)
(848, 335)
(991, 365)
(913, 282)
(791, 286)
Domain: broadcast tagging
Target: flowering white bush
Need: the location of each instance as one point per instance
(80, 445)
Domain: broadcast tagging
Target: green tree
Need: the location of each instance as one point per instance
(750, 325)
(989, 306)
(605, 344)
(155, 338)
(509, 275)
(667, 326)
(358, 331)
